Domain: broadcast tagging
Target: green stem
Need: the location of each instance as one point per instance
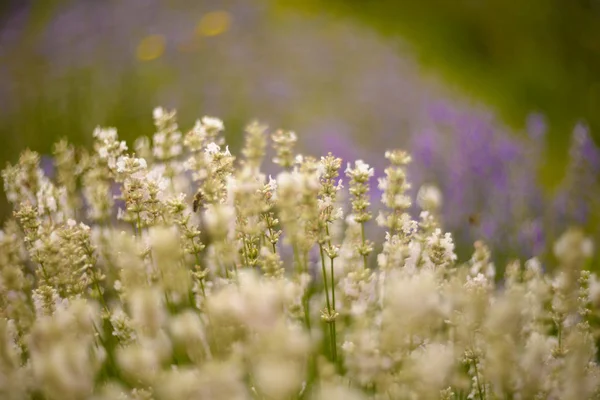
(306, 311)
(271, 240)
(44, 272)
(332, 285)
(102, 300)
(362, 234)
(331, 268)
(226, 271)
(334, 339)
(324, 277)
(330, 323)
(109, 350)
(333, 325)
(479, 390)
(134, 227)
(300, 267)
(245, 251)
(307, 293)
(559, 336)
(201, 280)
(139, 224)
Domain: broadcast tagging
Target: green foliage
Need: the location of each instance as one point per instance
(525, 56)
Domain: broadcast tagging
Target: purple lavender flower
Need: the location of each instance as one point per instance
(536, 126)
(577, 197)
(486, 173)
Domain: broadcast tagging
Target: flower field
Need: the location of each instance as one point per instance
(170, 268)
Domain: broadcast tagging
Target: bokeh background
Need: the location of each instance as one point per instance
(498, 102)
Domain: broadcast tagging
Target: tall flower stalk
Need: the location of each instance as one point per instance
(329, 211)
(359, 188)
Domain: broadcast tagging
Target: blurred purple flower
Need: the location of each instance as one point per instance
(487, 176)
(578, 196)
(536, 126)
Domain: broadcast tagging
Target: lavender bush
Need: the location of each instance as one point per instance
(179, 271)
(490, 179)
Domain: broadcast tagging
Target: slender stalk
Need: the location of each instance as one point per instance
(300, 268)
(101, 295)
(246, 250)
(334, 340)
(44, 271)
(235, 269)
(201, 280)
(324, 277)
(271, 240)
(479, 390)
(306, 311)
(362, 234)
(109, 350)
(139, 224)
(559, 336)
(332, 284)
(331, 327)
(331, 267)
(307, 294)
(226, 270)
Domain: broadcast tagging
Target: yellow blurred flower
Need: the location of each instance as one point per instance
(214, 23)
(151, 47)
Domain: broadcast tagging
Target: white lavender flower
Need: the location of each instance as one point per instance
(234, 285)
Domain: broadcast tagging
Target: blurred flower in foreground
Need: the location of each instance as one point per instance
(264, 287)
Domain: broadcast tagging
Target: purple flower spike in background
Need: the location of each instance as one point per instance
(577, 199)
(486, 173)
(536, 126)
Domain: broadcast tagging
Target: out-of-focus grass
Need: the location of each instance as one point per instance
(531, 55)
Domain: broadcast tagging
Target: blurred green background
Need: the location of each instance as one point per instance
(68, 66)
(518, 57)
(358, 68)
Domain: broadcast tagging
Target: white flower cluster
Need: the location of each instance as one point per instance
(183, 273)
